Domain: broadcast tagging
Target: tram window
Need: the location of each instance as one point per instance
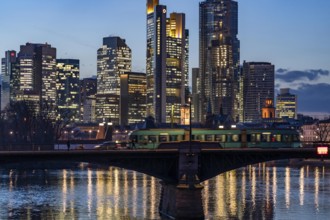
(257, 137)
(295, 138)
(144, 138)
(220, 137)
(208, 137)
(229, 138)
(248, 138)
(277, 137)
(162, 138)
(173, 138)
(265, 137)
(285, 138)
(153, 138)
(235, 137)
(253, 137)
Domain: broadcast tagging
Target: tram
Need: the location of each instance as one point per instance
(227, 138)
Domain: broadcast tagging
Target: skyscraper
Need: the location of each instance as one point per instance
(87, 99)
(113, 59)
(258, 86)
(68, 89)
(167, 63)
(286, 104)
(219, 57)
(37, 73)
(132, 97)
(9, 78)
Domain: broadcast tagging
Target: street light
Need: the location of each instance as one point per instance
(90, 134)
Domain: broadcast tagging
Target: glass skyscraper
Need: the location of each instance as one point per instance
(219, 57)
(68, 89)
(37, 73)
(167, 63)
(113, 59)
(258, 86)
(9, 78)
(286, 104)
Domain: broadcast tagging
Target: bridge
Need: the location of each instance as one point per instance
(181, 171)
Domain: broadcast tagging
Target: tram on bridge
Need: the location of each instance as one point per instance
(227, 138)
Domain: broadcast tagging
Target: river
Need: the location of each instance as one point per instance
(253, 192)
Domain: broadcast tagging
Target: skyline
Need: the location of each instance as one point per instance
(273, 32)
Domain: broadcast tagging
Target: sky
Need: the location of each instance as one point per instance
(291, 34)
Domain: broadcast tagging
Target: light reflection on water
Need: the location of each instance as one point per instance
(254, 192)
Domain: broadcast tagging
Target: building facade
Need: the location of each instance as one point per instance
(258, 86)
(133, 92)
(113, 59)
(218, 57)
(37, 73)
(167, 63)
(286, 104)
(87, 99)
(9, 78)
(68, 85)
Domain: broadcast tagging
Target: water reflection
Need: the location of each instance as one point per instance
(254, 192)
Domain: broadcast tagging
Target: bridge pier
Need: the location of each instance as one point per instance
(183, 200)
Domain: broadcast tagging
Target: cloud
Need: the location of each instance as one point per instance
(296, 75)
(313, 98)
(311, 86)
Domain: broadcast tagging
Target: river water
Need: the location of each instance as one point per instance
(253, 192)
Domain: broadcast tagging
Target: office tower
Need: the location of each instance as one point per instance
(37, 69)
(258, 86)
(133, 92)
(156, 60)
(176, 66)
(68, 89)
(113, 59)
(286, 104)
(195, 92)
(87, 99)
(167, 63)
(219, 57)
(9, 78)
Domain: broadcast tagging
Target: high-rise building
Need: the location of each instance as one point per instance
(258, 86)
(68, 95)
(167, 63)
(37, 73)
(133, 92)
(113, 59)
(195, 92)
(87, 99)
(286, 104)
(218, 57)
(9, 78)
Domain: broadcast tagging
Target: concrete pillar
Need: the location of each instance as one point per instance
(181, 201)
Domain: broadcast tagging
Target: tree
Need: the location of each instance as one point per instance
(322, 130)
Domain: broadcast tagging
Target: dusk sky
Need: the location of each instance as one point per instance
(292, 34)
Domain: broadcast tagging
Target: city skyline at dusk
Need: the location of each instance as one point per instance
(291, 36)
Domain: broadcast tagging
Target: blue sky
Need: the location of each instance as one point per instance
(292, 34)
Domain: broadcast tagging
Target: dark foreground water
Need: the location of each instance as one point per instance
(254, 192)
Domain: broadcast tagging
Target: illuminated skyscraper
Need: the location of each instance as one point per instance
(113, 59)
(68, 89)
(9, 76)
(219, 57)
(167, 63)
(133, 91)
(258, 86)
(37, 73)
(286, 104)
(87, 99)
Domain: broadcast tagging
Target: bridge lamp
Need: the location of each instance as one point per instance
(322, 150)
(221, 127)
(233, 126)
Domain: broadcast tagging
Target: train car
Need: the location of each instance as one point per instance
(227, 138)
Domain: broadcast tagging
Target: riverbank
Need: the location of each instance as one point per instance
(300, 162)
